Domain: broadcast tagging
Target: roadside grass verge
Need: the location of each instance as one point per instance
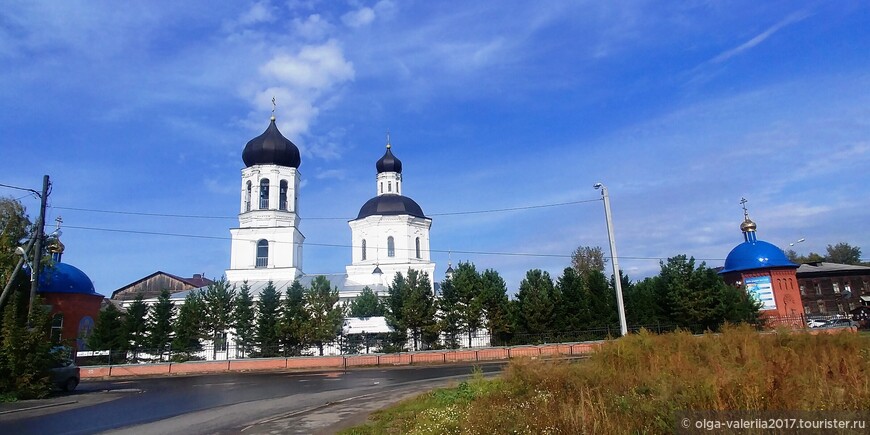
(636, 383)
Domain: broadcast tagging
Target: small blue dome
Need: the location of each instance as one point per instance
(755, 254)
(64, 278)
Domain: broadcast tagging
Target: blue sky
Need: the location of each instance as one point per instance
(680, 109)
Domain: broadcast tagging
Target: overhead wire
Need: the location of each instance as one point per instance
(193, 216)
(345, 246)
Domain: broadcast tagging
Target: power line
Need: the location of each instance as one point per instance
(191, 216)
(136, 213)
(343, 246)
(19, 188)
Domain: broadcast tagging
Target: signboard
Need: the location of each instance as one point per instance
(92, 353)
(761, 289)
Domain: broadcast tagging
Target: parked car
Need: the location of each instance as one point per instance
(840, 323)
(65, 375)
(816, 323)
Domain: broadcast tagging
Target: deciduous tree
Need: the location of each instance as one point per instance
(587, 259)
(843, 253)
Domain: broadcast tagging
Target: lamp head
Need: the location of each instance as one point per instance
(597, 186)
(20, 251)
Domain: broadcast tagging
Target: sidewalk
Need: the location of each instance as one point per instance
(341, 362)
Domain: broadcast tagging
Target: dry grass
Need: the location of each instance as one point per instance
(634, 384)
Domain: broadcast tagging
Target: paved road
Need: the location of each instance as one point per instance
(228, 403)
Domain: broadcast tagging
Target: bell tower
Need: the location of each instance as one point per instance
(267, 244)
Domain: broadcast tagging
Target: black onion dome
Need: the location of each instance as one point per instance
(389, 163)
(390, 205)
(271, 148)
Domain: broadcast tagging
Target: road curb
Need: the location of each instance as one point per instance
(30, 408)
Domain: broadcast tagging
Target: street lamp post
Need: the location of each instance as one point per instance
(617, 279)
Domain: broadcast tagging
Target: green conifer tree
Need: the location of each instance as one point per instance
(189, 326)
(367, 304)
(325, 315)
(136, 326)
(243, 320)
(418, 309)
(218, 302)
(268, 315)
(535, 302)
(160, 324)
(294, 320)
(449, 316)
(108, 333)
(495, 304)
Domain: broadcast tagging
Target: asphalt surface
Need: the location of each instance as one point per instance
(314, 402)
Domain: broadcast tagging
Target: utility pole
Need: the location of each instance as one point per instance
(37, 251)
(617, 278)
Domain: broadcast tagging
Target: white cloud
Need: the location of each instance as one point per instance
(335, 174)
(314, 67)
(312, 28)
(359, 18)
(302, 82)
(260, 12)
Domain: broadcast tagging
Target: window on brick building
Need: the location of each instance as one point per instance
(822, 308)
(836, 287)
(818, 288)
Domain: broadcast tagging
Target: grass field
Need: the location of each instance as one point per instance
(636, 383)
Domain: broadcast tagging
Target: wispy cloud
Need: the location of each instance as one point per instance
(761, 37)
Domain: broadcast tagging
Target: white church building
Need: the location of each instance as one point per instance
(389, 235)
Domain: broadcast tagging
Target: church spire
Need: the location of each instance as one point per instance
(748, 226)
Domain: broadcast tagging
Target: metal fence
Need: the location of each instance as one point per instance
(361, 344)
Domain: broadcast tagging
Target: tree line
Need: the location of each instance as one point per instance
(579, 304)
(270, 326)
(842, 253)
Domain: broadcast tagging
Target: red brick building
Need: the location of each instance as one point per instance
(827, 289)
(766, 273)
(74, 303)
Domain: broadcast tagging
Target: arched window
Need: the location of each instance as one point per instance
(391, 247)
(282, 200)
(263, 253)
(382, 187)
(248, 196)
(389, 186)
(418, 247)
(364, 250)
(264, 194)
